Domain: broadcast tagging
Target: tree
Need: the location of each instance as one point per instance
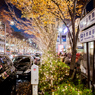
(61, 9)
(44, 27)
(64, 9)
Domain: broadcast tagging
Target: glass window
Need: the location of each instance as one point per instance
(25, 60)
(91, 44)
(84, 59)
(23, 64)
(16, 59)
(5, 66)
(64, 38)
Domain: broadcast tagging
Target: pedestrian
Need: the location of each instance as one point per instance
(67, 60)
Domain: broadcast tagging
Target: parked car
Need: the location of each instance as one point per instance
(7, 76)
(13, 54)
(23, 66)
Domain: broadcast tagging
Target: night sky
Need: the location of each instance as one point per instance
(89, 6)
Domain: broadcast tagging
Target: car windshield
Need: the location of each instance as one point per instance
(17, 59)
(22, 63)
(24, 59)
(37, 55)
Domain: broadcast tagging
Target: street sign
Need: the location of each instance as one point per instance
(87, 35)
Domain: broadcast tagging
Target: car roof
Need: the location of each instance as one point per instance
(23, 56)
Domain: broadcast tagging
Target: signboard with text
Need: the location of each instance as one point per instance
(87, 35)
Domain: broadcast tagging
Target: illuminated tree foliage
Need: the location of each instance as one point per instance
(44, 27)
(45, 10)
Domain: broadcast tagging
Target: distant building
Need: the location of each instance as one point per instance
(79, 45)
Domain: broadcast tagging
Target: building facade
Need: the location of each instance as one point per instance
(87, 37)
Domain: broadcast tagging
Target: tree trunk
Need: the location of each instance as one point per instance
(72, 65)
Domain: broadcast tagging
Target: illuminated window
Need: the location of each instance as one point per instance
(64, 38)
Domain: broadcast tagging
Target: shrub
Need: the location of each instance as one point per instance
(52, 74)
(71, 89)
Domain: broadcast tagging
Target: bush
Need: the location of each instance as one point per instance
(71, 89)
(53, 80)
(50, 75)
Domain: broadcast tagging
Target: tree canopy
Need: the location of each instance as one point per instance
(46, 12)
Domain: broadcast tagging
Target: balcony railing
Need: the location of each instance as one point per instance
(88, 20)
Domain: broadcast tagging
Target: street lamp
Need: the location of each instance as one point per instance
(4, 37)
(65, 30)
(11, 22)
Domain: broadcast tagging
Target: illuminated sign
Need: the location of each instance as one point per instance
(88, 35)
(60, 48)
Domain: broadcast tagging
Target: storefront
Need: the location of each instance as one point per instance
(87, 37)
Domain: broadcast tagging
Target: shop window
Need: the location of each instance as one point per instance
(92, 14)
(84, 59)
(91, 44)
